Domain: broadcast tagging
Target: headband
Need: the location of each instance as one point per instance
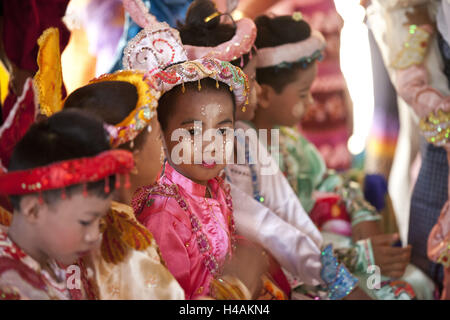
(142, 114)
(158, 50)
(241, 43)
(305, 50)
(66, 173)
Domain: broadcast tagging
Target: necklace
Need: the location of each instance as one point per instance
(255, 187)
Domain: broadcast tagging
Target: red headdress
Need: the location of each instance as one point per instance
(67, 173)
(43, 95)
(19, 120)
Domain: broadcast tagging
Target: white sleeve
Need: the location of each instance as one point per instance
(294, 249)
(281, 199)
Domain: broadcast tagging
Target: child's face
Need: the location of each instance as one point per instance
(148, 157)
(250, 71)
(213, 110)
(69, 229)
(288, 106)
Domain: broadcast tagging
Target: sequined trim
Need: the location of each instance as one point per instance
(339, 280)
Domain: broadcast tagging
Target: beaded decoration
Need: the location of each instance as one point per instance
(158, 50)
(436, 127)
(196, 70)
(285, 55)
(66, 173)
(142, 114)
(444, 258)
(339, 280)
(415, 47)
(241, 44)
(141, 198)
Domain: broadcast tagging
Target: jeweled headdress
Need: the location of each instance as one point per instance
(63, 174)
(157, 50)
(142, 114)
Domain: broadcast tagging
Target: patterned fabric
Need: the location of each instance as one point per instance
(128, 265)
(305, 170)
(194, 233)
(325, 122)
(169, 11)
(339, 280)
(429, 196)
(22, 278)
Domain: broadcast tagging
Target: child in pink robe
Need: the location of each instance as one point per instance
(192, 231)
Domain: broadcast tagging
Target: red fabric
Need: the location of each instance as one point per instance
(279, 277)
(328, 207)
(23, 118)
(66, 173)
(8, 104)
(23, 23)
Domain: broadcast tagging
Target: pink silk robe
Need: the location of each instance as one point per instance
(193, 232)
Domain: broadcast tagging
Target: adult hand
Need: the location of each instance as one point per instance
(391, 260)
(365, 229)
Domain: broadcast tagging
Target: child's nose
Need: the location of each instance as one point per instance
(93, 234)
(310, 99)
(257, 87)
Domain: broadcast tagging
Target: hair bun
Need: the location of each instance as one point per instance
(279, 30)
(198, 11)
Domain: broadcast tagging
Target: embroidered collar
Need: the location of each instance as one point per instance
(191, 187)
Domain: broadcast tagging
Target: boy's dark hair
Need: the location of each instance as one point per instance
(110, 101)
(66, 135)
(276, 31)
(196, 32)
(167, 103)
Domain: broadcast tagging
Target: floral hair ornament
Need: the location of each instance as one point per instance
(157, 49)
(303, 51)
(142, 114)
(60, 175)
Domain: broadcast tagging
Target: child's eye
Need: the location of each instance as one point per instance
(194, 131)
(222, 131)
(85, 223)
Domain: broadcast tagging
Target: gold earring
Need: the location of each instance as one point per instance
(162, 156)
(134, 170)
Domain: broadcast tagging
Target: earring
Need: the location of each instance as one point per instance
(162, 156)
(134, 171)
(244, 108)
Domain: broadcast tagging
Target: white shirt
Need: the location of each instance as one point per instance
(279, 223)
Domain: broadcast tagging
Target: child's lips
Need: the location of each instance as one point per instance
(83, 253)
(208, 164)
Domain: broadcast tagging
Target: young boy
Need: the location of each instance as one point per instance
(60, 181)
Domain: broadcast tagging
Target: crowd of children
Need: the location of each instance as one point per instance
(183, 176)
